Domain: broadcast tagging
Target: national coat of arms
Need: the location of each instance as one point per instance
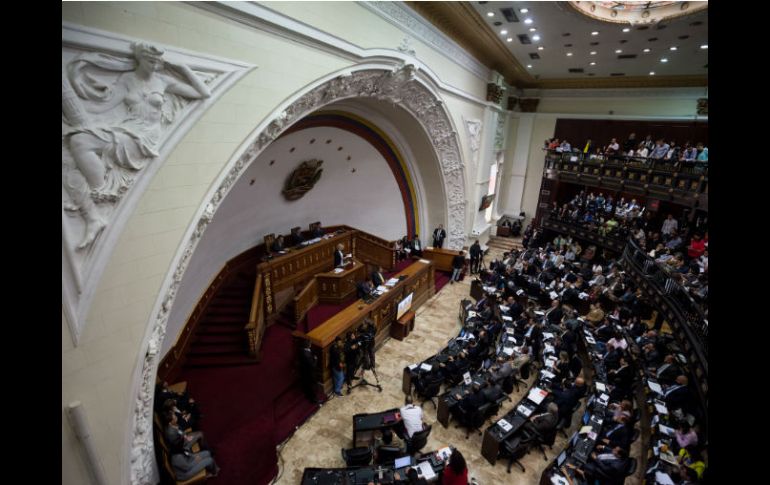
(302, 179)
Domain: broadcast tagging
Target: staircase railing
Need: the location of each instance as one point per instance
(305, 300)
(255, 329)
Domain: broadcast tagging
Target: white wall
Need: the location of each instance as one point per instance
(368, 199)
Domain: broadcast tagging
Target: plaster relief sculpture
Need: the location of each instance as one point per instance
(302, 179)
(112, 129)
(474, 133)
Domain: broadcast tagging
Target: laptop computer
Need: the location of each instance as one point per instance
(402, 462)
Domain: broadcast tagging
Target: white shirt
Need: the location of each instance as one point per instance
(412, 416)
(669, 225)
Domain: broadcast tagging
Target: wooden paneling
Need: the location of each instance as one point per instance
(337, 287)
(442, 258)
(375, 251)
(255, 329)
(305, 300)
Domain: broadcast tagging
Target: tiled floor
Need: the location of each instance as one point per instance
(318, 442)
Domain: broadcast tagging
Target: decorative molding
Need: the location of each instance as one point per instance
(495, 93)
(406, 47)
(500, 131)
(398, 14)
(474, 134)
(528, 105)
(703, 107)
(617, 93)
(397, 85)
(121, 118)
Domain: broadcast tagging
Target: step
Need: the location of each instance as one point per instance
(227, 310)
(197, 349)
(220, 300)
(219, 361)
(213, 319)
(220, 339)
(220, 330)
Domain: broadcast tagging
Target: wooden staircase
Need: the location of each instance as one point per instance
(506, 244)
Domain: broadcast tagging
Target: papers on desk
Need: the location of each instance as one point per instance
(467, 378)
(537, 395)
(524, 410)
(382, 288)
(391, 282)
(413, 367)
(425, 261)
(554, 295)
(425, 470)
(661, 408)
(583, 295)
(604, 399)
(559, 480)
(509, 330)
(506, 318)
(539, 313)
(504, 308)
(666, 430)
(669, 458)
(585, 430)
(339, 270)
(426, 367)
(472, 314)
(547, 335)
(520, 292)
(508, 351)
(349, 255)
(490, 289)
(551, 361)
(663, 479)
(548, 349)
(600, 387)
(505, 425)
(444, 453)
(547, 374)
(655, 387)
(592, 436)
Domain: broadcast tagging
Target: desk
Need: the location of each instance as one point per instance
(336, 287)
(365, 424)
(503, 231)
(442, 258)
(477, 289)
(418, 279)
(401, 327)
(364, 475)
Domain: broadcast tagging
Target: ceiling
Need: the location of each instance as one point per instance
(564, 30)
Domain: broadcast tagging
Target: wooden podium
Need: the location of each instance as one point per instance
(337, 287)
(401, 327)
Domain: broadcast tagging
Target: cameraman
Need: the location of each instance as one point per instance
(368, 331)
(352, 357)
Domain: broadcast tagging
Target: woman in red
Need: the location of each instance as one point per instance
(456, 472)
(696, 248)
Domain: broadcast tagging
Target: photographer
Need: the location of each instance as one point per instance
(352, 358)
(367, 334)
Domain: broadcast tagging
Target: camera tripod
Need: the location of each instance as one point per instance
(367, 364)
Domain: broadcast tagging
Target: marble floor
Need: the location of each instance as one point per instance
(319, 441)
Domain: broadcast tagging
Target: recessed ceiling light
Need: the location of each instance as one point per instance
(540, 48)
(524, 10)
(593, 63)
(509, 39)
(672, 48)
(490, 14)
(532, 29)
(569, 54)
(594, 33)
(593, 53)
(664, 60)
(503, 32)
(652, 73)
(527, 21)
(704, 46)
(529, 66)
(535, 38)
(618, 51)
(626, 30)
(646, 50)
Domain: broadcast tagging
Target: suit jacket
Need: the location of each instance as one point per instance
(276, 246)
(554, 316)
(377, 278)
(619, 435)
(610, 470)
(338, 256)
(475, 251)
(544, 423)
(678, 398)
(668, 374)
(439, 235)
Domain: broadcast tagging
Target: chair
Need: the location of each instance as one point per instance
(475, 419)
(429, 392)
(515, 448)
(509, 383)
(525, 370)
(566, 422)
(359, 456)
(548, 440)
(269, 240)
(387, 454)
(418, 440)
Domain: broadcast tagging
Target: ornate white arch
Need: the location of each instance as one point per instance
(399, 84)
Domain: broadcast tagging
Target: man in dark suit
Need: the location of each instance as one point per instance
(416, 245)
(543, 423)
(678, 396)
(566, 399)
(296, 237)
(438, 236)
(365, 289)
(308, 363)
(606, 467)
(554, 314)
(317, 231)
(618, 433)
(277, 245)
(378, 279)
(339, 257)
(668, 371)
(475, 252)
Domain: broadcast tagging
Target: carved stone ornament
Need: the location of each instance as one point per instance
(302, 179)
(703, 106)
(500, 131)
(495, 93)
(474, 134)
(406, 46)
(398, 85)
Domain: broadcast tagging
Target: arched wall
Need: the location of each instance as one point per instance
(394, 83)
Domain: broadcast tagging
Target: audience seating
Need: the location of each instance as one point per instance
(360, 456)
(418, 440)
(386, 455)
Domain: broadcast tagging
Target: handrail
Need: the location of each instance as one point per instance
(305, 300)
(255, 329)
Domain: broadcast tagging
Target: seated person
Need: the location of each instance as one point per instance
(317, 231)
(685, 436)
(678, 396)
(277, 245)
(617, 433)
(412, 478)
(378, 278)
(472, 400)
(411, 418)
(187, 465)
(668, 371)
(385, 438)
(690, 457)
(567, 398)
(178, 440)
(184, 419)
(539, 425)
(416, 246)
(365, 289)
(607, 467)
(492, 392)
(296, 237)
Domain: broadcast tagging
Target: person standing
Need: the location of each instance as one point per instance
(475, 256)
(456, 471)
(339, 257)
(438, 236)
(458, 262)
(307, 366)
(337, 362)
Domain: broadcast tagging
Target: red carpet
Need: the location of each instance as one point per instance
(442, 278)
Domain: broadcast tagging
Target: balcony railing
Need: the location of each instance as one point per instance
(615, 242)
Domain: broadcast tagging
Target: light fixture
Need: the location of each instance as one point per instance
(527, 21)
(593, 53)
(594, 33)
(593, 63)
(532, 29)
(664, 60)
(618, 51)
(646, 50)
(535, 37)
(509, 39)
(490, 14)
(503, 32)
(626, 30)
(524, 10)
(529, 66)
(652, 73)
(540, 48)
(569, 54)
(672, 48)
(704, 46)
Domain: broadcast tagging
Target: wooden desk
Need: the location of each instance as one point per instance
(419, 280)
(337, 287)
(401, 327)
(442, 258)
(503, 231)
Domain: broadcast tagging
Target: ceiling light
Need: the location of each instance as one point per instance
(532, 29)
(527, 21)
(524, 10)
(509, 39)
(593, 63)
(626, 30)
(594, 33)
(540, 48)
(652, 73)
(704, 46)
(618, 51)
(535, 37)
(673, 48)
(503, 32)
(664, 60)
(593, 53)
(529, 66)
(646, 50)
(569, 54)
(490, 14)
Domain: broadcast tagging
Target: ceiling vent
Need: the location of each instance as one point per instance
(576, 70)
(643, 27)
(627, 56)
(615, 74)
(509, 14)
(534, 55)
(524, 39)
